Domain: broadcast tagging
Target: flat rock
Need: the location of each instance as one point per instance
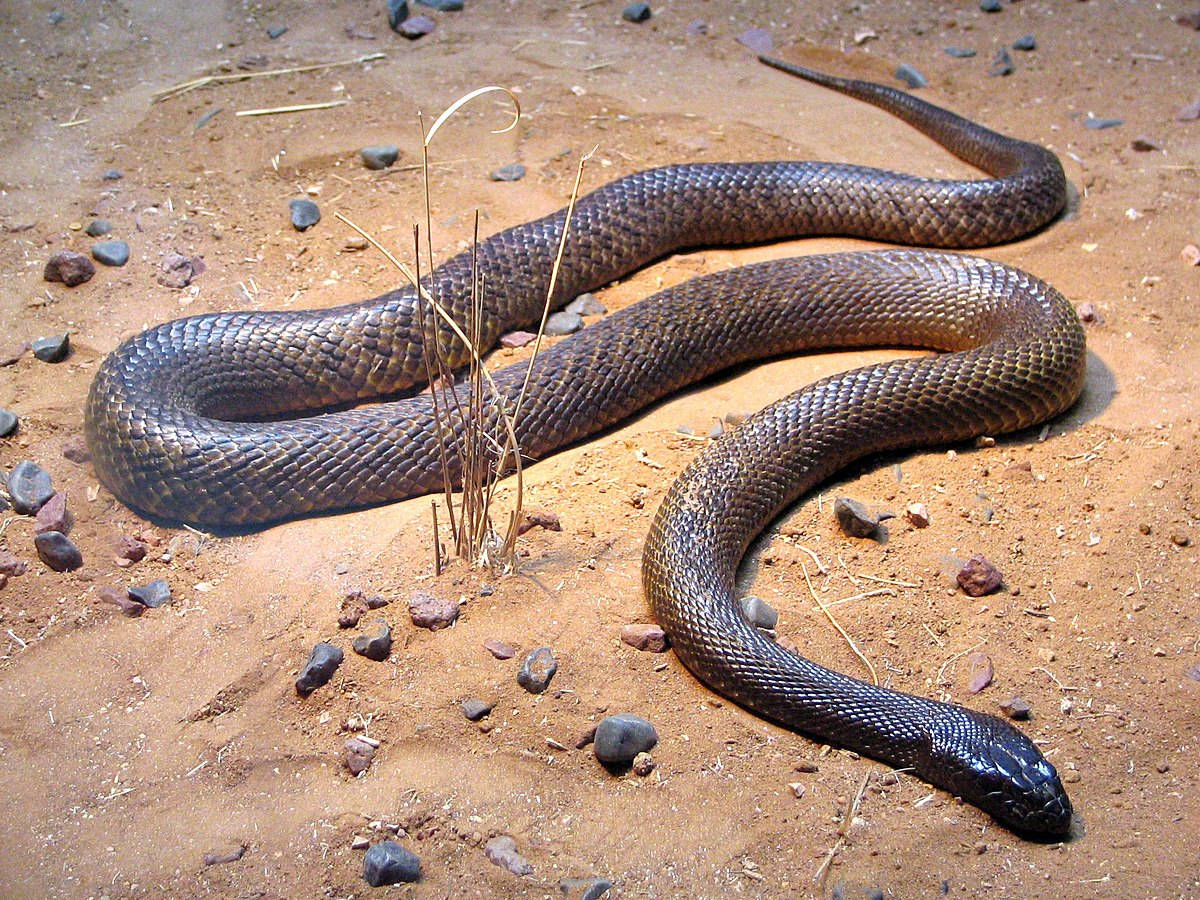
(586, 305)
(622, 737)
(53, 516)
(511, 172)
(379, 156)
(563, 322)
(153, 595)
(75, 449)
(68, 267)
(428, 611)
(29, 487)
(584, 888)
(645, 636)
(502, 851)
(979, 671)
(98, 228)
(56, 550)
(959, 52)
(111, 253)
(475, 709)
(52, 349)
(389, 863)
(305, 214)
(443, 5)
(910, 76)
(499, 649)
(416, 27)
(121, 599)
(375, 646)
(854, 518)
(320, 667)
(12, 565)
(515, 339)
(757, 39)
(537, 670)
(1016, 708)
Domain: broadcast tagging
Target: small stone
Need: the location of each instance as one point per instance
(29, 486)
(354, 607)
(622, 737)
(111, 253)
(120, 598)
(979, 672)
(397, 13)
(798, 789)
(499, 649)
(1016, 708)
(130, 549)
(113, 175)
(643, 764)
(854, 518)
(428, 611)
(355, 244)
(515, 339)
(1002, 64)
(979, 577)
(178, 271)
(1088, 313)
(758, 612)
(636, 12)
(75, 449)
(1190, 255)
(959, 52)
(511, 172)
(697, 28)
(475, 709)
(305, 214)
(645, 636)
(53, 349)
(13, 354)
(1181, 538)
(990, 6)
(11, 565)
(910, 76)
(98, 228)
(757, 39)
(1189, 113)
(1025, 43)
(276, 31)
(1145, 145)
(586, 305)
(416, 27)
(389, 863)
(379, 156)
(917, 515)
(443, 5)
(53, 516)
(56, 17)
(320, 667)
(8, 422)
(155, 594)
(537, 670)
(539, 518)
(56, 550)
(358, 752)
(69, 267)
(502, 851)
(376, 646)
(584, 888)
(1097, 124)
(806, 765)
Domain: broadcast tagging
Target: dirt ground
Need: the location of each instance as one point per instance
(133, 747)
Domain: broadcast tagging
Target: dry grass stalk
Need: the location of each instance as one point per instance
(298, 107)
(186, 86)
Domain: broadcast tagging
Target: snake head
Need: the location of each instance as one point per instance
(992, 765)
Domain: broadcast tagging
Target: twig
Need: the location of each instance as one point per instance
(184, 87)
(887, 592)
(437, 544)
(849, 640)
(299, 107)
(843, 830)
(942, 670)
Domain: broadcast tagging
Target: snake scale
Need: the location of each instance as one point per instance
(187, 420)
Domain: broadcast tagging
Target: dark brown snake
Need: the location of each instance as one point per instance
(167, 414)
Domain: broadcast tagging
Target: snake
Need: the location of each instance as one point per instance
(249, 417)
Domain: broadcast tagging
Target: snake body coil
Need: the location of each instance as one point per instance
(167, 415)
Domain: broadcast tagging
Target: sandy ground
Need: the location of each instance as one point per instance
(131, 748)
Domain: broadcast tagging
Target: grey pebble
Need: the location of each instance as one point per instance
(511, 172)
(537, 670)
(584, 888)
(114, 175)
(29, 487)
(52, 349)
(320, 667)
(276, 31)
(1025, 42)
(8, 422)
(621, 737)
(1098, 124)
(111, 253)
(56, 550)
(910, 76)
(98, 228)
(1002, 64)
(758, 612)
(475, 709)
(397, 13)
(379, 156)
(586, 305)
(1016, 708)
(502, 851)
(155, 594)
(959, 52)
(854, 518)
(389, 863)
(358, 752)
(636, 12)
(443, 5)
(305, 214)
(375, 647)
(563, 322)
(416, 27)
(55, 17)
(990, 6)
(757, 39)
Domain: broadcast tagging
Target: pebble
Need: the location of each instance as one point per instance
(389, 863)
(645, 636)
(1016, 708)
(11, 564)
(98, 228)
(854, 519)
(376, 646)
(319, 669)
(276, 31)
(53, 516)
(537, 670)
(586, 305)
(499, 649)
(511, 172)
(515, 339)
(622, 737)
(153, 595)
(1189, 113)
(114, 175)
(475, 709)
(917, 515)
(758, 612)
(697, 28)
(12, 355)
(305, 214)
(757, 39)
(428, 611)
(358, 752)
(416, 27)
(1088, 313)
(8, 422)
(539, 518)
(29, 486)
(56, 550)
(643, 764)
(990, 6)
(959, 52)
(111, 253)
(52, 349)
(563, 322)
(1190, 254)
(120, 598)
(177, 270)
(443, 5)
(979, 671)
(1002, 64)
(397, 13)
(910, 76)
(379, 156)
(1026, 43)
(979, 577)
(1145, 145)
(584, 888)
(502, 851)
(1098, 124)
(130, 550)
(1181, 538)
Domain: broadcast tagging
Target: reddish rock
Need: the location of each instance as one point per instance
(1016, 708)
(499, 649)
(428, 611)
(76, 450)
(11, 565)
(645, 636)
(980, 672)
(979, 577)
(539, 519)
(53, 516)
(121, 599)
(130, 550)
(69, 267)
(359, 752)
